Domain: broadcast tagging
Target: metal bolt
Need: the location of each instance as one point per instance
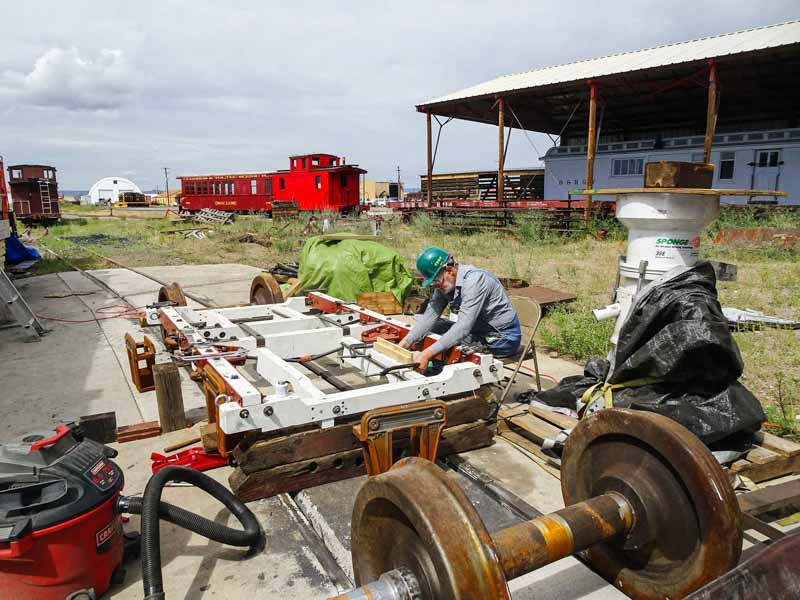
(234, 376)
(374, 424)
(476, 373)
(438, 413)
(337, 409)
(244, 413)
(426, 392)
(268, 410)
(493, 369)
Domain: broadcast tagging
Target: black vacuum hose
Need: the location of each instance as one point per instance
(151, 508)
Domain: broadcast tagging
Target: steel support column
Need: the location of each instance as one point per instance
(711, 114)
(501, 149)
(592, 146)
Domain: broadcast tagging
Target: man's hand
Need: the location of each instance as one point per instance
(404, 343)
(423, 358)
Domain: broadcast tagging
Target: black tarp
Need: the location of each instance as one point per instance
(675, 332)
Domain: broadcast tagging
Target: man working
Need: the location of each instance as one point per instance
(485, 315)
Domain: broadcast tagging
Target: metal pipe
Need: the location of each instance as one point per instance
(327, 376)
(587, 209)
(529, 546)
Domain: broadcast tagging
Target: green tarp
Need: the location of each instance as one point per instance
(346, 267)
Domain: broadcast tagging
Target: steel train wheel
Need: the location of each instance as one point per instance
(265, 290)
(414, 516)
(172, 292)
(688, 525)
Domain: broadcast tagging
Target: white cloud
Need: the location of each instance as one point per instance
(62, 77)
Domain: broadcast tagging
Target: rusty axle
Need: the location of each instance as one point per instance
(529, 546)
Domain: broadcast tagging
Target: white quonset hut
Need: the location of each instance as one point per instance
(108, 189)
(731, 100)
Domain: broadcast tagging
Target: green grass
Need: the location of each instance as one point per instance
(573, 330)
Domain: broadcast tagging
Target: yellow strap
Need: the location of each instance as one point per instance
(606, 390)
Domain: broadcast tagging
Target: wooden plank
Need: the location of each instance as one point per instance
(299, 475)
(558, 419)
(294, 287)
(138, 431)
(257, 453)
(530, 426)
(387, 348)
(208, 435)
(544, 296)
(770, 498)
(782, 465)
(169, 397)
(777, 444)
(539, 457)
(760, 456)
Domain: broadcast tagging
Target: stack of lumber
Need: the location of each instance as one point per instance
(382, 302)
(770, 458)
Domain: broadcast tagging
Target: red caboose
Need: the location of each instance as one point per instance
(314, 181)
(34, 193)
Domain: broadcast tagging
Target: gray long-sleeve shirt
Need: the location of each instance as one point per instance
(484, 308)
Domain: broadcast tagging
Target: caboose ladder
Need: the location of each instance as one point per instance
(44, 193)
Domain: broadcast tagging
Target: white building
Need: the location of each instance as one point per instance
(108, 189)
(752, 160)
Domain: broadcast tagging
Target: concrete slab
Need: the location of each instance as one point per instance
(114, 331)
(71, 372)
(215, 285)
(194, 567)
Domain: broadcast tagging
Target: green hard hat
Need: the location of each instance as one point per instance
(430, 262)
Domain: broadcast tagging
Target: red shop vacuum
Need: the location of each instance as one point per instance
(61, 535)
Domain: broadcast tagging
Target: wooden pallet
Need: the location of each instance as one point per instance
(770, 458)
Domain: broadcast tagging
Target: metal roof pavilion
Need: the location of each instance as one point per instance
(665, 86)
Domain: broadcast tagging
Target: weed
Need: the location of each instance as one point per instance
(576, 332)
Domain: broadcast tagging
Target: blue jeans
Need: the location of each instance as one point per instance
(502, 342)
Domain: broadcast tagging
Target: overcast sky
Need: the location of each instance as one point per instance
(126, 88)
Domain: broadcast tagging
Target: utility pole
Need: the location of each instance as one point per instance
(166, 183)
(399, 192)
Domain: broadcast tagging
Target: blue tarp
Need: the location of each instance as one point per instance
(17, 252)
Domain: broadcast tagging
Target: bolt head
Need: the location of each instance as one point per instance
(426, 392)
(493, 369)
(268, 411)
(374, 424)
(438, 413)
(476, 373)
(244, 413)
(337, 410)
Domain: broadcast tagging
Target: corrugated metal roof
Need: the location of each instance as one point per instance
(750, 40)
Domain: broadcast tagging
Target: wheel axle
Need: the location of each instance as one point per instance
(645, 498)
